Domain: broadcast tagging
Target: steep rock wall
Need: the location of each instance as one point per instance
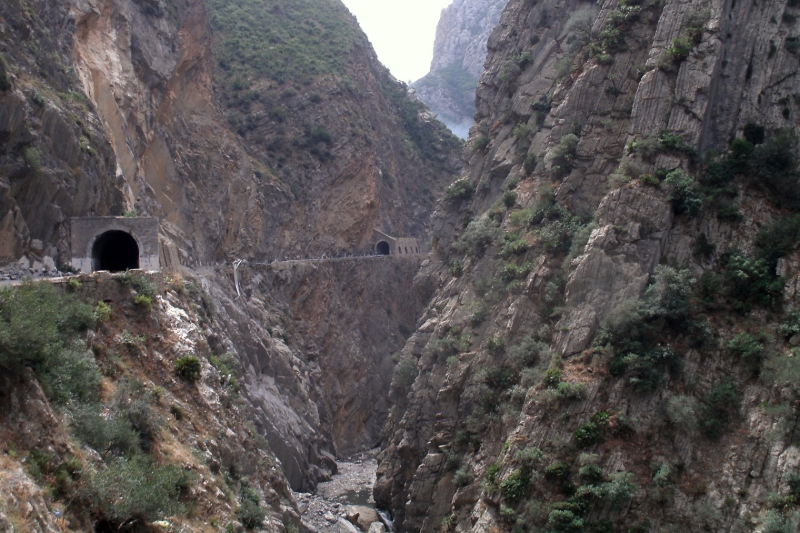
(459, 53)
(568, 93)
(317, 341)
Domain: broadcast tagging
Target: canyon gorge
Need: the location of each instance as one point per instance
(599, 333)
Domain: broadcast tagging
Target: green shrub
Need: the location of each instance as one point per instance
(680, 49)
(749, 281)
(513, 245)
(480, 144)
(683, 193)
(670, 142)
(113, 434)
(144, 286)
(188, 367)
(529, 457)
(229, 370)
(777, 240)
(509, 272)
(790, 326)
(557, 472)
(753, 133)
(591, 474)
(102, 312)
(615, 492)
(570, 390)
(5, 84)
(145, 303)
(251, 514)
(459, 190)
(479, 310)
(560, 159)
(404, 374)
(137, 489)
(718, 408)
(773, 164)
(529, 165)
(557, 236)
(633, 329)
(563, 521)
(479, 235)
(681, 411)
(72, 377)
(508, 516)
(729, 214)
(703, 249)
(509, 198)
(33, 157)
(37, 324)
(457, 268)
(552, 377)
(516, 485)
(491, 473)
(747, 348)
(649, 179)
(177, 411)
(496, 345)
(587, 434)
(462, 477)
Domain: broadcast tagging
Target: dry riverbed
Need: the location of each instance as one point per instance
(333, 507)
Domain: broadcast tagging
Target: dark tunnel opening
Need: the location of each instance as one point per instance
(115, 251)
(382, 248)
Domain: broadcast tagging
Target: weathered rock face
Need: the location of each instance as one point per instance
(459, 52)
(127, 118)
(317, 340)
(112, 106)
(506, 360)
(55, 160)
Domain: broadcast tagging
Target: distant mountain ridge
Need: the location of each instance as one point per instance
(458, 56)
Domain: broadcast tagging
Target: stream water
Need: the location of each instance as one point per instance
(352, 485)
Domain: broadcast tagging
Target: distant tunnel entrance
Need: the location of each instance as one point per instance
(115, 251)
(382, 248)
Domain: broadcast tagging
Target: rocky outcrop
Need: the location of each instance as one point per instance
(135, 114)
(570, 98)
(318, 342)
(127, 106)
(459, 52)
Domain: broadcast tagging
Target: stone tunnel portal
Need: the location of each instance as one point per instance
(382, 248)
(115, 251)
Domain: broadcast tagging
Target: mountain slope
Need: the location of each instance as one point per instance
(459, 52)
(609, 346)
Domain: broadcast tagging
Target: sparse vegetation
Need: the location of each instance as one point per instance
(560, 159)
(479, 235)
(460, 190)
(188, 367)
(718, 408)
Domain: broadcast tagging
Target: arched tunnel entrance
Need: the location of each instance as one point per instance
(382, 248)
(115, 251)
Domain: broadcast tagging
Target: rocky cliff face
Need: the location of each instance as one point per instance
(252, 130)
(141, 110)
(317, 340)
(582, 364)
(459, 52)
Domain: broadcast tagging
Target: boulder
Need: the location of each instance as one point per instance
(377, 527)
(347, 527)
(364, 516)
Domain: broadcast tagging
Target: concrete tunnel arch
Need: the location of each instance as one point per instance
(382, 248)
(115, 251)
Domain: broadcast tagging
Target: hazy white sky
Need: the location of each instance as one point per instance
(402, 32)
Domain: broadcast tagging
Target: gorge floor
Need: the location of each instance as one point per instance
(349, 491)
